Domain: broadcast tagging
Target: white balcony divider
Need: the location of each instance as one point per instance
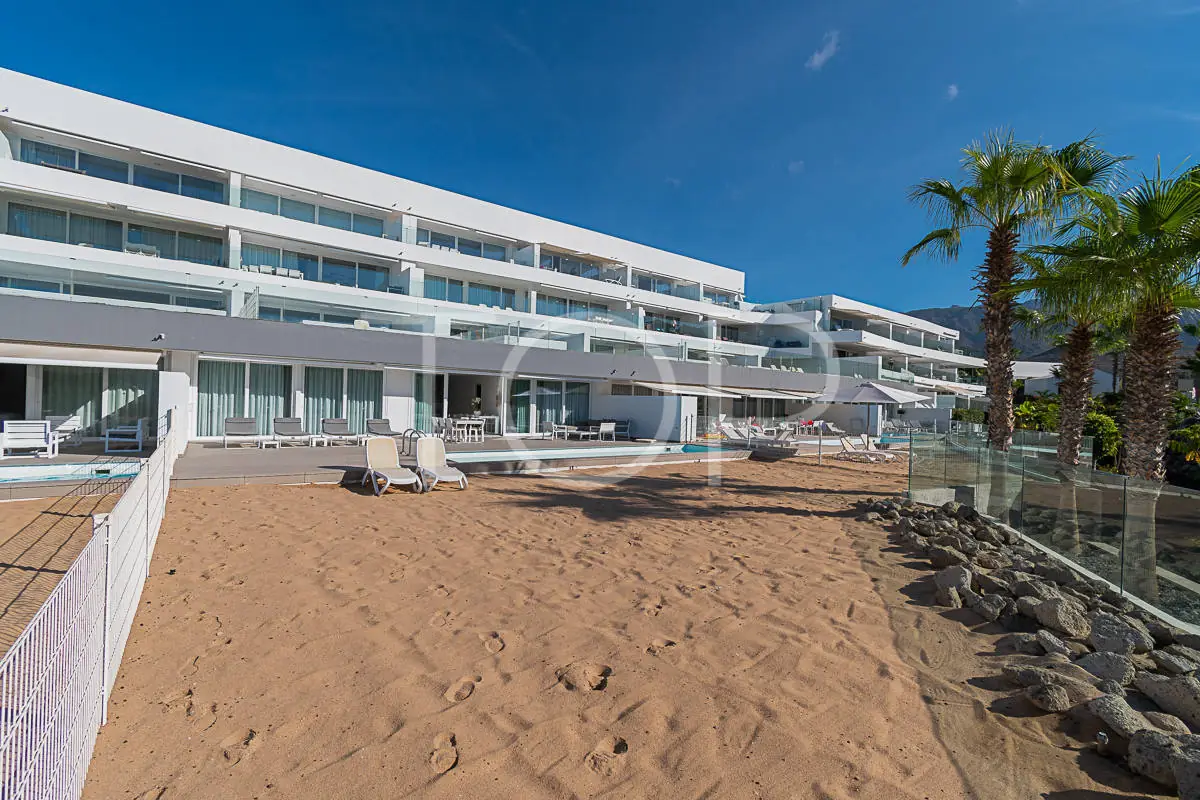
(56, 678)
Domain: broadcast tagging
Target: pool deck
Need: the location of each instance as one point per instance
(209, 464)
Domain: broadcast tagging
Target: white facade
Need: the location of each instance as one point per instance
(105, 202)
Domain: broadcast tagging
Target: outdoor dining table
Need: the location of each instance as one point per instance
(468, 429)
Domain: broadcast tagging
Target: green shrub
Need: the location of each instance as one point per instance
(1104, 430)
(967, 415)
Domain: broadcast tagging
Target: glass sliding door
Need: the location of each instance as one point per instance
(422, 406)
(132, 394)
(71, 391)
(518, 407)
(221, 393)
(322, 396)
(270, 394)
(364, 397)
(577, 403)
(549, 404)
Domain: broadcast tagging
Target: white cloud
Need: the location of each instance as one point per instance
(795, 167)
(829, 48)
(952, 92)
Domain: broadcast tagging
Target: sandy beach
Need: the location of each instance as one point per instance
(594, 635)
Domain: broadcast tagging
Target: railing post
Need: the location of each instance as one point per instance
(100, 523)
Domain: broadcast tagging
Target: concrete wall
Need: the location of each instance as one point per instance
(399, 407)
(670, 418)
(175, 391)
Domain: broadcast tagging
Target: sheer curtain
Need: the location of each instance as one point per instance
(422, 408)
(201, 249)
(37, 223)
(578, 403)
(270, 394)
(103, 233)
(221, 393)
(322, 396)
(132, 395)
(549, 402)
(518, 406)
(364, 397)
(73, 391)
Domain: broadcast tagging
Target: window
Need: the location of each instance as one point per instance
(438, 288)
(156, 179)
(422, 236)
(661, 323)
(297, 209)
(95, 232)
(338, 319)
(368, 225)
(307, 264)
(260, 201)
(37, 223)
(650, 283)
(495, 252)
(201, 249)
(163, 241)
(269, 312)
(441, 241)
(469, 247)
(372, 277)
(332, 218)
(114, 293)
(110, 169)
(258, 255)
(479, 294)
(339, 272)
(300, 316)
(729, 333)
(551, 306)
(32, 285)
(202, 189)
(213, 303)
(50, 155)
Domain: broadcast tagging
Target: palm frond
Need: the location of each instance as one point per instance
(943, 243)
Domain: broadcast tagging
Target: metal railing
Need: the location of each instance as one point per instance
(56, 679)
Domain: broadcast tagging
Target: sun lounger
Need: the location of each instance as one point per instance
(383, 467)
(381, 427)
(869, 445)
(22, 435)
(124, 437)
(240, 430)
(289, 430)
(852, 453)
(431, 463)
(337, 431)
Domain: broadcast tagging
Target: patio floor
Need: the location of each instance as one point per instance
(210, 463)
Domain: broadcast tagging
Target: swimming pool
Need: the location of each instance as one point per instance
(553, 454)
(33, 473)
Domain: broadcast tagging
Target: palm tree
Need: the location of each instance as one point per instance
(1011, 190)
(1193, 362)
(1113, 341)
(1078, 298)
(1146, 244)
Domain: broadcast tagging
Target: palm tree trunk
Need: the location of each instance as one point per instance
(1116, 363)
(993, 280)
(1074, 392)
(1149, 383)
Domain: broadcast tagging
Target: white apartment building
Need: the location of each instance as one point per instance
(276, 282)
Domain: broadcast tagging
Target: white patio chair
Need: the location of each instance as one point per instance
(432, 465)
(125, 437)
(67, 429)
(383, 467)
(21, 435)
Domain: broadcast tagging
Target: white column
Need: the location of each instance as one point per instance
(533, 301)
(235, 189)
(537, 256)
(235, 248)
(33, 391)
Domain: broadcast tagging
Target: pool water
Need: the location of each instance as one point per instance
(551, 454)
(33, 473)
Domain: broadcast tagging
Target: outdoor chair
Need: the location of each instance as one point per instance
(337, 431)
(240, 430)
(607, 429)
(68, 430)
(290, 430)
(852, 453)
(383, 467)
(28, 434)
(123, 437)
(869, 446)
(432, 465)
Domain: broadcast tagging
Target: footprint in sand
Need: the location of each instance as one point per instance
(444, 755)
(584, 675)
(492, 642)
(440, 620)
(607, 756)
(461, 689)
(659, 645)
(235, 748)
(652, 606)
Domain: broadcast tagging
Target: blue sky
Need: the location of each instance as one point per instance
(778, 138)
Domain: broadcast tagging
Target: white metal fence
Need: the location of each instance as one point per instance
(56, 678)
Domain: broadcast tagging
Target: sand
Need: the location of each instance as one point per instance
(596, 635)
(41, 539)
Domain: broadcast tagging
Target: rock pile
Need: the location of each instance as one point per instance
(1087, 650)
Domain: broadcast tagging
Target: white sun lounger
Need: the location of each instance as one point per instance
(431, 463)
(852, 453)
(870, 447)
(383, 467)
